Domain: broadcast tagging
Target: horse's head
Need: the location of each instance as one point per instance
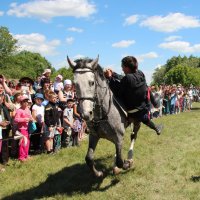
(85, 84)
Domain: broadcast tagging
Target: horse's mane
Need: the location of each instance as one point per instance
(81, 63)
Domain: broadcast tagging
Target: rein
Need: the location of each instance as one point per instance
(98, 103)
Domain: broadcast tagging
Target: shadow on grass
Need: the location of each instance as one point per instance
(195, 178)
(76, 179)
(196, 108)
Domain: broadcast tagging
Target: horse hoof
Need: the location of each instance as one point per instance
(116, 170)
(127, 164)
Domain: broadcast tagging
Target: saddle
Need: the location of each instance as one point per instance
(121, 106)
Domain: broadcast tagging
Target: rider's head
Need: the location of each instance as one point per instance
(131, 63)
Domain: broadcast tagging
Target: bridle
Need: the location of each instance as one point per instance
(98, 103)
(82, 72)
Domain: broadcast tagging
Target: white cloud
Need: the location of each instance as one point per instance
(150, 55)
(171, 23)
(74, 29)
(36, 42)
(46, 10)
(173, 38)
(131, 20)
(181, 46)
(69, 40)
(123, 44)
(1, 13)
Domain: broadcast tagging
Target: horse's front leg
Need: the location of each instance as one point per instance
(93, 140)
(118, 158)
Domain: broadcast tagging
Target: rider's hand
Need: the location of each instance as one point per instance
(108, 73)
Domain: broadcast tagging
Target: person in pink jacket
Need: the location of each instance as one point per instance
(22, 118)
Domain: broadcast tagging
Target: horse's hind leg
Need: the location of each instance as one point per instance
(93, 140)
(129, 161)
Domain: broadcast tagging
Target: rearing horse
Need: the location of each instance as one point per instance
(99, 109)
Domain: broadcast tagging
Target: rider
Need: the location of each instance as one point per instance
(132, 90)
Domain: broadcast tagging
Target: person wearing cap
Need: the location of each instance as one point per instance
(47, 73)
(38, 116)
(131, 89)
(66, 93)
(22, 118)
(58, 84)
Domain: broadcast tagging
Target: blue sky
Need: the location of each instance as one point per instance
(151, 30)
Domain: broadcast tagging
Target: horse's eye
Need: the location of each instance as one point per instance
(91, 83)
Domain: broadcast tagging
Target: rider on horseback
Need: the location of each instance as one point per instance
(133, 92)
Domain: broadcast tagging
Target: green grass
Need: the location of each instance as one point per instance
(163, 167)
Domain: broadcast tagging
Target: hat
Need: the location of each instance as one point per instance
(47, 71)
(26, 78)
(39, 96)
(59, 76)
(67, 82)
(24, 97)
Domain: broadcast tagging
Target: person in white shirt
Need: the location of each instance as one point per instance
(38, 116)
(58, 84)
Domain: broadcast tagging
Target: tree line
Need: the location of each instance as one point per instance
(179, 70)
(15, 64)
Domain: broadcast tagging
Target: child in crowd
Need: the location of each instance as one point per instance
(58, 84)
(46, 97)
(81, 125)
(38, 116)
(22, 118)
(68, 120)
(52, 122)
(15, 143)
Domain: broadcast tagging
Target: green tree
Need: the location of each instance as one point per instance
(26, 63)
(67, 73)
(8, 46)
(178, 69)
(184, 75)
(158, 75)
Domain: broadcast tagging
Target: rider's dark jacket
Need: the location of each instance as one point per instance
(131, 89)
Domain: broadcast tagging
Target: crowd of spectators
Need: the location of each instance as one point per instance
(173, 99)
(40, 116)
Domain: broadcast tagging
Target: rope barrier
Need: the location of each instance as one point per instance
(18, 137)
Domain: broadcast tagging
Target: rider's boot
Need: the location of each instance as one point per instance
(157, 128)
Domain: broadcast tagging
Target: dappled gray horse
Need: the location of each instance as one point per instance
(99, 109)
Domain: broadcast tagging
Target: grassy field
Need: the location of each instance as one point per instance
(166, 167)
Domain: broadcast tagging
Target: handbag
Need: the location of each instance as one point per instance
(32, 127)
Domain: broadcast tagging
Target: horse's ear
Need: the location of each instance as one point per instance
(72, 64)
(94, 63)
